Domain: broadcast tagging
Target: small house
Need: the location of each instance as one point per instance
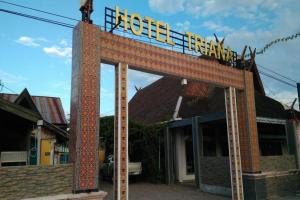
(33, 130)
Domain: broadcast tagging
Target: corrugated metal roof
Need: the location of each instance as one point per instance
(49, 107)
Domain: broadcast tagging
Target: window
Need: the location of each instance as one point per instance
(272, 139)
(270, 147)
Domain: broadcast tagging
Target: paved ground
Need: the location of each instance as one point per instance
(148, 191)
(187, 191)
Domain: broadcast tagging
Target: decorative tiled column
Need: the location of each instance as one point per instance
(84, 125)
(121, 134)
(233, 144)
(248, 127)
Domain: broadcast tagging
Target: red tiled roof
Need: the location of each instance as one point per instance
(49, 107)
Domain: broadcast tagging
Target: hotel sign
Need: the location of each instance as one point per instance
(161, 32)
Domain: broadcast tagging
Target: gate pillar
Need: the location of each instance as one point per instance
(233, 144)
(121, 134)
(84, 122)
(248, 127)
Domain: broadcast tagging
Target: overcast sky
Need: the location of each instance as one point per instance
(38, 55)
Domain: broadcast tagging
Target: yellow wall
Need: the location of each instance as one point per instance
(46, 152)
(101, 155)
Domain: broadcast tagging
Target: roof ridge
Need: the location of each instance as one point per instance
(32, 95)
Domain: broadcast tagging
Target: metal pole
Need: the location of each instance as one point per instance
(39, 124)
(298, 89)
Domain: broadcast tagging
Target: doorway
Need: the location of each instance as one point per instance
(183, 156)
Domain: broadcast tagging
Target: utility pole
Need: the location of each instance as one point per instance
(86, 8)
(298, 89)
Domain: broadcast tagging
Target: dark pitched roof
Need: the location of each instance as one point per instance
(157, 102)
(50, 108)
(268, 107)
(25, 100)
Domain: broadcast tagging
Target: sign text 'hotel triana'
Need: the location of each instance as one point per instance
(162, 34)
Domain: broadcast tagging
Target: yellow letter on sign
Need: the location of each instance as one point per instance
(212, 49)
(124, 17)
(229, 56)
(189, 40)
(198, 43)
(220, 51)
(138, 17)
(159, 31)
(149, 20)
(169, 41)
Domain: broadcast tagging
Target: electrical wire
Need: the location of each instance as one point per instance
(38, 18)
(38, 10)
(288, 78)
(3, 86)
(275, 78)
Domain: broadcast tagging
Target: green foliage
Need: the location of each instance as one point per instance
(146, 145)
(107, 134)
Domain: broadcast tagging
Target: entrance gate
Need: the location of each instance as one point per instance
(92, 46)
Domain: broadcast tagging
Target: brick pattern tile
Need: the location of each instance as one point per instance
(121, 134)
(233, 144)
(247, 126)
(144, 56)
(85, 106)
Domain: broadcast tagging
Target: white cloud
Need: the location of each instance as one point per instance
(63, 52)
(217, 27)
(230, 7)
(62, 49)
(28, 41)
(183, 27)
(63, 42)
(166, 6)
(242, 8)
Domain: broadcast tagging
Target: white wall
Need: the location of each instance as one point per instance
(180, 160)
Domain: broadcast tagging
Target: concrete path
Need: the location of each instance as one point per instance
(148, 191)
